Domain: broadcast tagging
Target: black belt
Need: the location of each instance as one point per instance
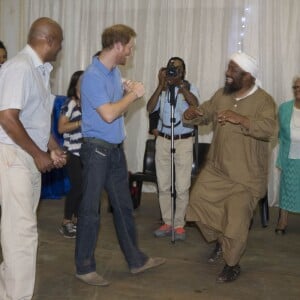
(177, 136)
(102, 143)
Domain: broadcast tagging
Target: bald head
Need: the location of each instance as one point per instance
(45, 37)
(41, 28)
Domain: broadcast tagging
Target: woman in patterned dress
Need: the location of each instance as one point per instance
(289, 158)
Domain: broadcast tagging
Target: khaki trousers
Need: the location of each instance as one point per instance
(20, 185)
(222, 210)
(232, 249)
(183, 159)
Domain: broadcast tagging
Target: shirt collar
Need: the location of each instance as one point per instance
(252, 91)
(37, 62)
(99, 65)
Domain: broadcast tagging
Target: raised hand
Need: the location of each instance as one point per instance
(136, 87)
(192, 112)
(229, 116)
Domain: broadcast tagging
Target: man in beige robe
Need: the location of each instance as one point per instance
(234, 178)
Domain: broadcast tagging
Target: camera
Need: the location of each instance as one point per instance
(172, 71)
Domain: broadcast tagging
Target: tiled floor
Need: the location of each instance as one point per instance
(270, 266)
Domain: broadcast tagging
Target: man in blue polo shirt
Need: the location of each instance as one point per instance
(105, 98)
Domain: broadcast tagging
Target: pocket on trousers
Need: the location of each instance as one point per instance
(101, 152)
(8, 155)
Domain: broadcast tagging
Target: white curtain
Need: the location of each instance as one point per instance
(203, 32)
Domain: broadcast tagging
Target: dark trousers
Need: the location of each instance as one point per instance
(72, 201)
(105, 168)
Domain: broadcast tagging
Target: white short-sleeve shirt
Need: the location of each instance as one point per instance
(24, 85)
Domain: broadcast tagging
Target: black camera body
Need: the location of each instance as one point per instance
(172, 71)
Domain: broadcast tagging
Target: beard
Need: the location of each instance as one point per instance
(232, 87)
(122, 62)
(121, 59)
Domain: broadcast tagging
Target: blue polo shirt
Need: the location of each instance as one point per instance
(100, 86)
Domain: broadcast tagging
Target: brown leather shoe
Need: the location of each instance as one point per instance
(152, 262)
(93, 278)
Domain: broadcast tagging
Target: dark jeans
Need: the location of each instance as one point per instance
(74, 169)
(105, 168)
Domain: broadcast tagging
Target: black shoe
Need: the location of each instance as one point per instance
(229, 274)
(216, 254)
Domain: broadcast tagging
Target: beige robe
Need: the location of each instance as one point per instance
(234, 178)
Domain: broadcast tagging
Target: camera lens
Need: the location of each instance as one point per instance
(172, 71)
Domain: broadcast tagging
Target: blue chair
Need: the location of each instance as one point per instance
(56, 184)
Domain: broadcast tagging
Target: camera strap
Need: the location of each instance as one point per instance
(165, 98)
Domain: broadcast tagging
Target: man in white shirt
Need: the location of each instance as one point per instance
(25, 119)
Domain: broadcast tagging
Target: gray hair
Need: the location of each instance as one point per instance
(295, 78)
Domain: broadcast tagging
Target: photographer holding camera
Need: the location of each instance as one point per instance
(185, 95)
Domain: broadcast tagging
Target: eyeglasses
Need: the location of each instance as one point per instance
(296, 87)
